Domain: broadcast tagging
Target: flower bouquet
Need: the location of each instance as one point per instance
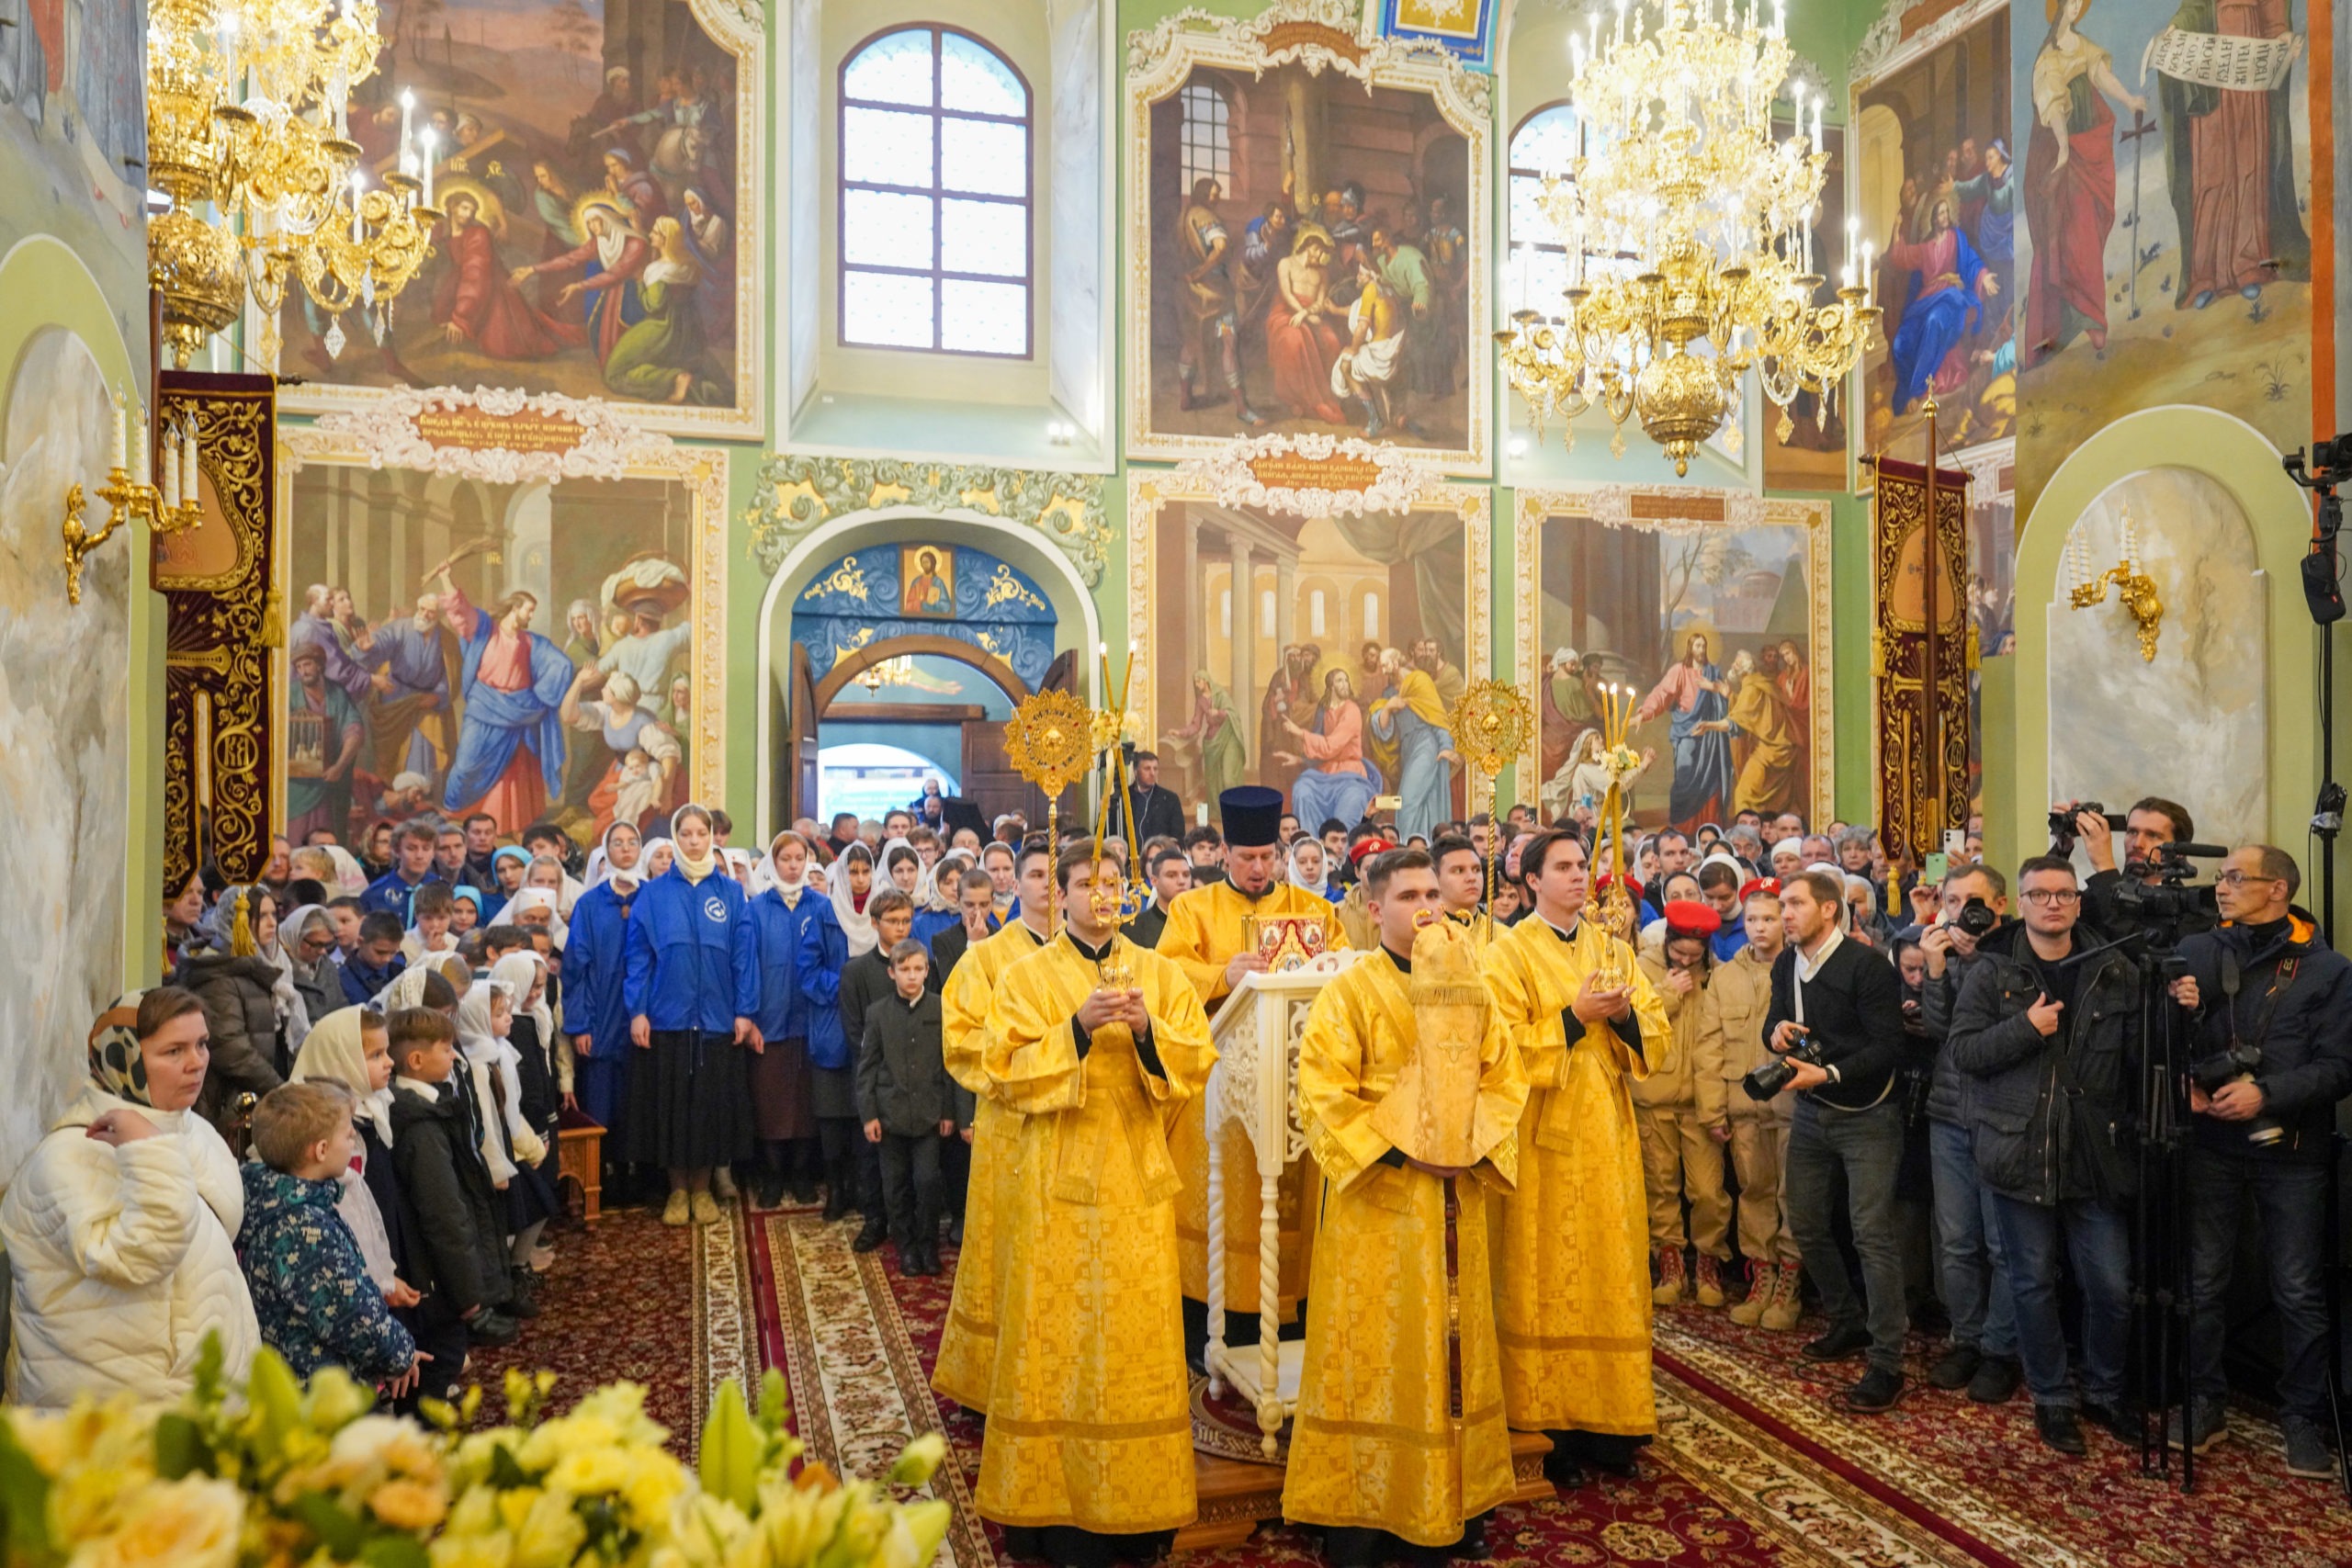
(302, 1477)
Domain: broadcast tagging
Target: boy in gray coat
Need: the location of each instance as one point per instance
(909, 1105)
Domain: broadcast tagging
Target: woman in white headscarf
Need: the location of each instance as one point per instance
(410, 989)
(851, 884)
(121, 1228)
(1307, 868)
(936, 909)
(595, 962)
(306, 939)
(534, 909)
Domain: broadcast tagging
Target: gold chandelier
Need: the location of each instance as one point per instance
(246, 102)
(1688, 233)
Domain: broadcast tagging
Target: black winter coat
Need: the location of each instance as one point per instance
(2307, 1049)
(463, 1253)
(2036, 1138)
(242, 1018)
(1949, 1090)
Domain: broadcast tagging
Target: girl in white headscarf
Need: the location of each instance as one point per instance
(541, 1071)
(508, 1145)
(348, 1047)
(902, 865)
(1307, 869)
(851, 884)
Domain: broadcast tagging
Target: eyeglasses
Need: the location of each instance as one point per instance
(2235, 878)
(2042, 897)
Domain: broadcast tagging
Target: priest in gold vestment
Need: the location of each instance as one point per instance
(1375, 1450)
(1572, 1279)
(1204, 935)
(1096, 1042)
(967, 1341)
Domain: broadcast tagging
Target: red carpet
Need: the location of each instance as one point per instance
(1755, 1463)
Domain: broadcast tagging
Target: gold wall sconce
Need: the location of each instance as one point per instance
(168, 503)
(2134, 587)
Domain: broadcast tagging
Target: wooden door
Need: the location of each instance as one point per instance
(799, 763)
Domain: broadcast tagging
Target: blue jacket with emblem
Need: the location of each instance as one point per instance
(802, 949)
(693, 958)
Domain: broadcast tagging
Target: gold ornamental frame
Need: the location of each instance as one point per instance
(1148, 491)
(702, 469)
(1675, 509)
(1318, 35)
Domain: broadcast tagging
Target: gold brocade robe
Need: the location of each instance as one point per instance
(1571, 1282)
(1203, 935)
(967, 1341)
(1376, 1443)
(1090, 1414)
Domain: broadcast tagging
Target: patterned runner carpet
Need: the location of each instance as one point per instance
(1755, 1463)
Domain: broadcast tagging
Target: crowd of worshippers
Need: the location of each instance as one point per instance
(914, 1017)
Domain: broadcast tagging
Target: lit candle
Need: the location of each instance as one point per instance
(1621, 21)
(1869, 275)
(141, 471)
(1779, 18)
(408, 112)
(170, 467)
(189, 453)
(121, 433)
(1853, 236)
(340, 89)
(358, 185)
(1816, 124)
(425, 140)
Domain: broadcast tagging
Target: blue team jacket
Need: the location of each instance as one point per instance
(693, 960)
(596, 969)
(801, 954)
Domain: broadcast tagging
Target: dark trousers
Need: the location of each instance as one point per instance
(1865, 1149)
(910, 1187)
(847, 1152)
(954, 1175)
(2291, 1198)
(2098, 1242)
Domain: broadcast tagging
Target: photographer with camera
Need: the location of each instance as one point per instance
(2270, 1010)
(2116, 898)
(1836, 1030)
(2047, 1031)
(1971, 922)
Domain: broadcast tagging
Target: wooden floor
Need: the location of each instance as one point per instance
(1237, 1497)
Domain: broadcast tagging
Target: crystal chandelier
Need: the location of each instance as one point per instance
(245, 109)
(1688, 233)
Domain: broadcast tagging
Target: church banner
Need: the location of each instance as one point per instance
(1922, 650)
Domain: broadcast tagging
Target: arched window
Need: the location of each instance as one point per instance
(1536, 268)
(1315, 622)
(1204, 138)
(1372, 615)
(935, 192)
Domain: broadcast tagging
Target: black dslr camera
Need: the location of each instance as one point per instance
(2062, 824)
(1976, 920)
(2239, 1062)
(1772, 1076)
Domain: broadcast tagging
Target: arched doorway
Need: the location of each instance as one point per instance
(907, 658)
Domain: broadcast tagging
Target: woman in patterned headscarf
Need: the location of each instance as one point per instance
(119, 1228)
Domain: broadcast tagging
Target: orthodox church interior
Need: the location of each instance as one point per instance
(1538, 546)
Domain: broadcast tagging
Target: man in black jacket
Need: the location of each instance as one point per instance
(2049, 1041)
(2266, 989)
(1983, 1354)
(1846, 1003)
(1159, 813)
(2151, 824)
(1171, 874)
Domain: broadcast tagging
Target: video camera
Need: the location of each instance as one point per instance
(2063, 829)
(2168, 900)
(2330, 466)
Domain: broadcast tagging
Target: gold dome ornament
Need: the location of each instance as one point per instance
(1046, 740)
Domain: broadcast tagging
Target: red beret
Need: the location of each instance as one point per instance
(1363, 849)
(1755, 884)
(1689, 917)
(1608, 879)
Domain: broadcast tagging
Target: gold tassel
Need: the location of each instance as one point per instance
(273, 619)
(240, 931)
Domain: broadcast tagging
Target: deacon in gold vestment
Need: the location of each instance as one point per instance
(1089, 1421)
(1375, 1449)
(967, 1342)
(1572, 1279)
(1204, 935)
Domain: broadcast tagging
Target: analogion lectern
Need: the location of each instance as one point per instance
(1255, 1083)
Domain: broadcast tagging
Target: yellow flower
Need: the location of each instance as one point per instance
(918, 1460)
(549, 1533)
(408, 1505)
(658, 1482)
(587, 1472)
(190, 1523)
(494, 1550)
